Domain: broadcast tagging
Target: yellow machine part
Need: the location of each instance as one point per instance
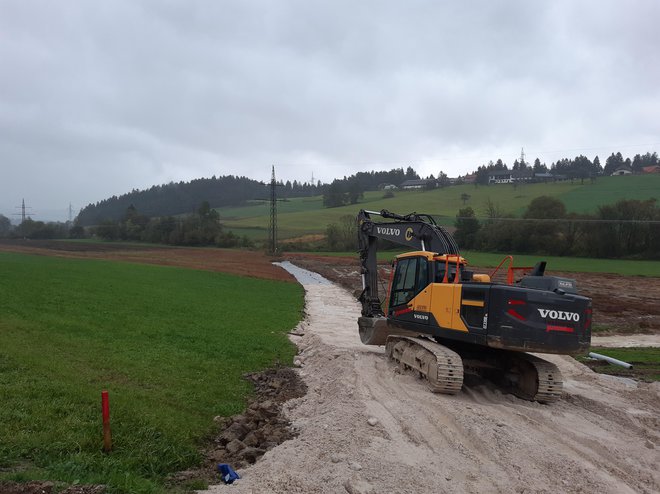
(443, 300)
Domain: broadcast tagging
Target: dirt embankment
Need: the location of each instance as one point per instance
(366, 427)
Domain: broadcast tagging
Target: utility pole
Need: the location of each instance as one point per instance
(522, 155)
(23, 213)
(272, 227)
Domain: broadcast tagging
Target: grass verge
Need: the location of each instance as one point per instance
(170, 345)
(645, 361)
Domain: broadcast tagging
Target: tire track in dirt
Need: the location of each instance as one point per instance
(602, 436)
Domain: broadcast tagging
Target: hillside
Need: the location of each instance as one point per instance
(183, 197)
(305, 216)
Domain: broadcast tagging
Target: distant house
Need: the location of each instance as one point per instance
(544, 177)
(509, 176)
(622, 170)
(388, 187)
(470, 179)
(418, 184)
(548, 177)
(651, 169)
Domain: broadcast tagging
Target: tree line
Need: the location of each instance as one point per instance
(200, 228)
(579, 167)
(627, 228)
(349, 190)
(33, 229)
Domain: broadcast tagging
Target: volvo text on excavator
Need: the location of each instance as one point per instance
(443, 320)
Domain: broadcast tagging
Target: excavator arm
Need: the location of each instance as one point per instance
(415, 231)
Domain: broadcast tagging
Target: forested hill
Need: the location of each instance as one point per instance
(184, 197)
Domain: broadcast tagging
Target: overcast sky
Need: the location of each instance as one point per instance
(101, 97)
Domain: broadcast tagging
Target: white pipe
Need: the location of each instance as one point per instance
(610, 360)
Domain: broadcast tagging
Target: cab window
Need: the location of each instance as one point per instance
(440, 273)
(410, 277)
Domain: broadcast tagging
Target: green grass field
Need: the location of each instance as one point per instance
(301, 216)
(170, 345)
(645, 360)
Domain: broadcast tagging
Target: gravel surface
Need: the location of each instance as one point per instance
(364, 427)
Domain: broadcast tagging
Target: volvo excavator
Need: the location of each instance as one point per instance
(443, 321)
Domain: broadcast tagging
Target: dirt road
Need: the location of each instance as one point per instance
(602, 436)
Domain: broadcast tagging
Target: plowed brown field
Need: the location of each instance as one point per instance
(243, 263)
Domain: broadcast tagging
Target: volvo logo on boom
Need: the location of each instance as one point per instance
(388, 231)
(559, 315)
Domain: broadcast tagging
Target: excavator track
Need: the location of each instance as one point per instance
(537, 379)
(441, 367)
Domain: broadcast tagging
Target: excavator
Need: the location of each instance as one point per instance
(443, 321)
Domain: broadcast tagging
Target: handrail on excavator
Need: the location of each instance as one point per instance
(510, 270)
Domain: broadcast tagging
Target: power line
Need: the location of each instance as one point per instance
(557, 220)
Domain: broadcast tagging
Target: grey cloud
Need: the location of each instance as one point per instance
(98, 98)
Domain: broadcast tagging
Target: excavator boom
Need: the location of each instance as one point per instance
(415, 231)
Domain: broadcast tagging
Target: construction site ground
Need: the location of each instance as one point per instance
(364, 426)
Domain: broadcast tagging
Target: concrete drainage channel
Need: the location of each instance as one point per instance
(303, 276)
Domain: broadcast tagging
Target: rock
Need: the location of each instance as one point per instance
(372, 421)
(355, 486)
(234, 431)
(355, 466)
(297, 362)
(649, 444)
(266, 405)
(337, 457)
(251, 454)
(251, 439)
(235, 446)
